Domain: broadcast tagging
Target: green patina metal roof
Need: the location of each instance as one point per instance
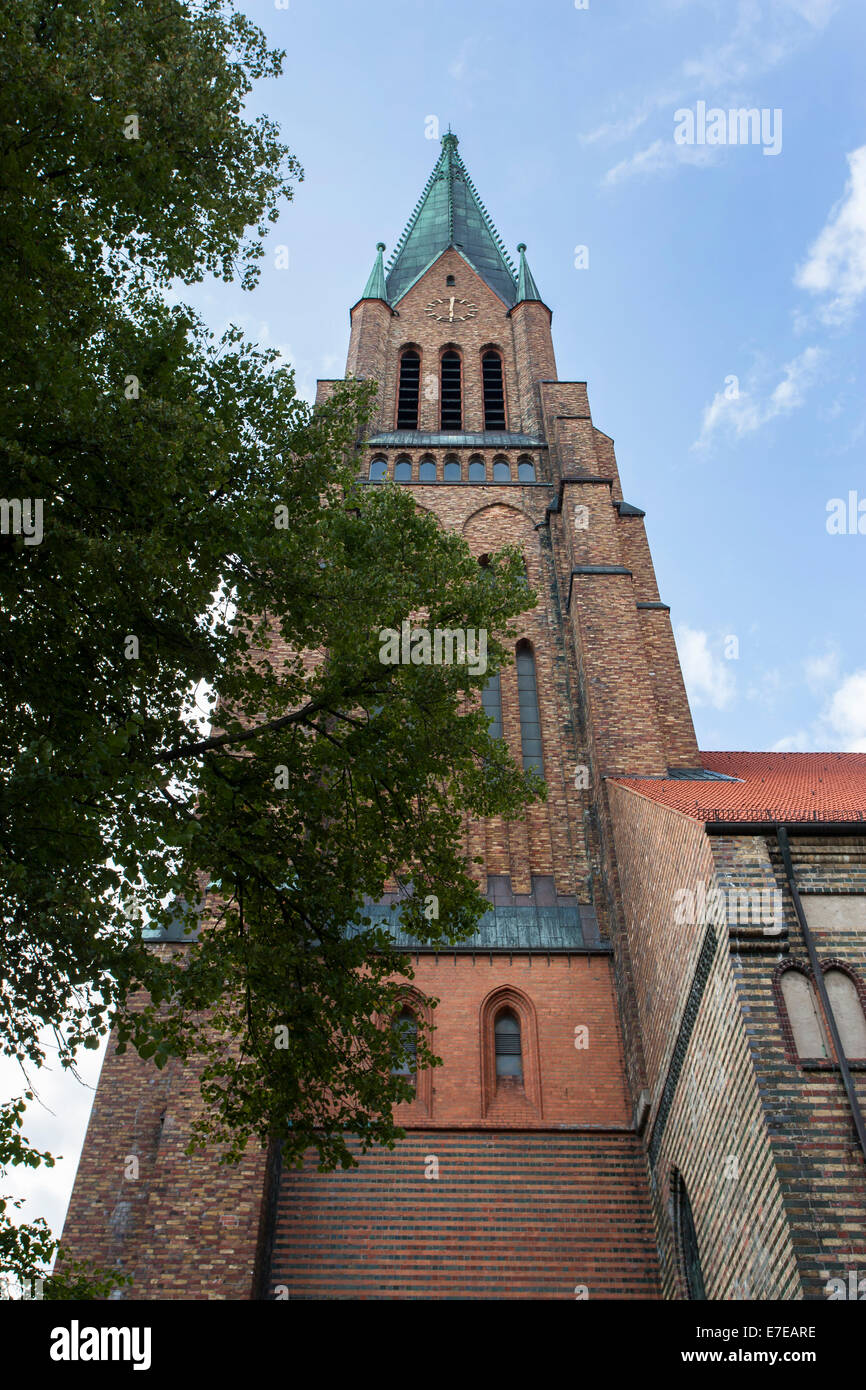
(526, 286)
(450, 213)
(528, 928)
(375, 287)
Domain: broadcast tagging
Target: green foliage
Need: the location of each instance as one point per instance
(164, 460)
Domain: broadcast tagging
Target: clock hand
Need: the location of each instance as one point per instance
(451, 315)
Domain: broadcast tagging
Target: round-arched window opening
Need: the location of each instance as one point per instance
(406, 1028)
(451, 391)
(477, 471)
(453, 473)
(427, 471)
(501, 471)
(449, 280)
(526, 471)
(378, 470)
(494, 391)
(848, 1012)
(403, 471)
(408, 390)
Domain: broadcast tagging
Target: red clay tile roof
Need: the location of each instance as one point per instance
(792, 787)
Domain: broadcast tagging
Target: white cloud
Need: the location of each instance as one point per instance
(766, 688)
(818, 13)
(659, 157)
(845, 714)
(745, 412)
(761, 35)
(709, 679)
(800, 742)
(615, 130)
(836, 264)
(460, 65)
(841, 725)
(822, 670)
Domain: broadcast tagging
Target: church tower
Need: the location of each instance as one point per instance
(607, 1123)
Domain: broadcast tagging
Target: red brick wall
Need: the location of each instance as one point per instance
(578, 1086)
(511, 1215)
(185, 1226)
(714, 1129)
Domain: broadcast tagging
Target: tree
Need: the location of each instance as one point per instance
(181, 481)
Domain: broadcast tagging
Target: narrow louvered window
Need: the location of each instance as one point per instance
(494, 391)
(407, 400)
(506, 1034)
(527, 697)
(452, 410)
(491, 702)
(406, 1028)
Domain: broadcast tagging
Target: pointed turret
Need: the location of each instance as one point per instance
(526, 286)
(375, 286)
(450, 213)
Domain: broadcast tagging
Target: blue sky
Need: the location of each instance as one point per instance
(706, 263)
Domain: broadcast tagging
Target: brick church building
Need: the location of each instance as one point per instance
(654, 1048)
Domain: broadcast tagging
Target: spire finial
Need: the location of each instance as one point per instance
(375, 287)
(526, 286)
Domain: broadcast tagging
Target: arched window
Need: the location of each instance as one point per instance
(526, 471)
(501, 471)
(403, 471)
(491, 703)
(508, 1034)
(407, 398)
(687, 1239)
(804, 1015)
(378, 469)
(494, 391)
(452, 472)
(847, 1011)
(477, 471)
(449, 279)
(406, 1027)
(506, 1037)
(450, 392)
(527, 697)
(427, 471)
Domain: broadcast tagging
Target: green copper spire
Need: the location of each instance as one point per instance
(526, 286)
(375, 287)
(450, 213)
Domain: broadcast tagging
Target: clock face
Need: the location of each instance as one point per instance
(451, 310)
